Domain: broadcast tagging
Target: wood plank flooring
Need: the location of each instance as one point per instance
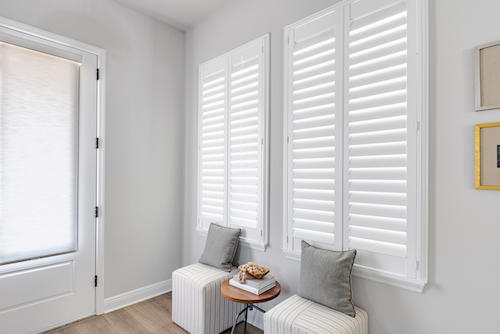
(153, 316)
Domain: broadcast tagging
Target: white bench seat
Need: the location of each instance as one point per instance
(297, 315)
(197, 304)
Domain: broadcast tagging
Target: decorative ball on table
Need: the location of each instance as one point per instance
(251, 269)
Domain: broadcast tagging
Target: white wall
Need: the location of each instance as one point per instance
(145, 78)
(463, 295)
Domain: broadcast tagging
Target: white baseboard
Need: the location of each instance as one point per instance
(134, 296)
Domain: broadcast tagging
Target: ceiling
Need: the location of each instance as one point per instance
(182, 14)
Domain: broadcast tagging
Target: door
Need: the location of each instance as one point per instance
(48, 114)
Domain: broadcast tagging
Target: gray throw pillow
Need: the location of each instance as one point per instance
(325, 277)
(220, 247)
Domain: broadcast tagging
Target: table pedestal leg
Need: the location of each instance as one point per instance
(236, 319)
(247, 307)
(246, 318)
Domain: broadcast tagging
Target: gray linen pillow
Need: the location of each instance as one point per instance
(220, 247)
(325, 277)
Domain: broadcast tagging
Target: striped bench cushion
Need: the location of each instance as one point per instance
(197, 304)
(297, 315)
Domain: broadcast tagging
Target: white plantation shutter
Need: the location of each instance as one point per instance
(377, 178)
(368, 191)
(247, 106)
(212, 144)
(232, 141)
(313, 106)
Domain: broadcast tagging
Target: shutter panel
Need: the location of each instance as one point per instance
(212, 134)
(376, 131)
(247, 114)
(233, 102)
(313, 117)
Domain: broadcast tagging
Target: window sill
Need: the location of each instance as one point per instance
(252, 244)
(414, 285)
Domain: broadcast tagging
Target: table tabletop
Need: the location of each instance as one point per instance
(241, 296)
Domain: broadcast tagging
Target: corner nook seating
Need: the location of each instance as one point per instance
(199, 308)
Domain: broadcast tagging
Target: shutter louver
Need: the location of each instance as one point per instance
(246, 102)
(212, 144)
(312, 108)
(376, 180)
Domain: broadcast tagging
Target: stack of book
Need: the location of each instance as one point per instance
(254, 285)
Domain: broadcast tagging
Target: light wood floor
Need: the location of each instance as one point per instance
(149, 317)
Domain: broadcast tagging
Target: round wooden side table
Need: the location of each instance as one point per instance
(241, 296)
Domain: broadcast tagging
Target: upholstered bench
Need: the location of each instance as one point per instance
(297, 315)
(197, 304)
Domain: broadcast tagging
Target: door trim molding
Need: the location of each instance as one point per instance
(137, 295)
(101, 120)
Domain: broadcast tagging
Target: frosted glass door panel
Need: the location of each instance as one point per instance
(38, 154)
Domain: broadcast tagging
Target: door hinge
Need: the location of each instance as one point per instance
(95, 280)
(97, 74)
(97, 143)
(96, 211)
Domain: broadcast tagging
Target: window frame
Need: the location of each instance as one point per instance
(262, 242)
(420, 87)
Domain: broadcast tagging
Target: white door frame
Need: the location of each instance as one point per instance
(101, 108)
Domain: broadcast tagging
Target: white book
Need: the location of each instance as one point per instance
(256, 282)
(250, 289)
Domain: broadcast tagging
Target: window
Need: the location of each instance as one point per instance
(355, 145)
(232, 154)
(32, 129)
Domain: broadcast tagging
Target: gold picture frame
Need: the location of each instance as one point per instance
(487, 156)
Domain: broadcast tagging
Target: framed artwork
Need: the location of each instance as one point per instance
(488, 76)
(488, 156)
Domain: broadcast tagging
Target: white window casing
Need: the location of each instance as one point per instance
(232, 137)
(380, 139)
